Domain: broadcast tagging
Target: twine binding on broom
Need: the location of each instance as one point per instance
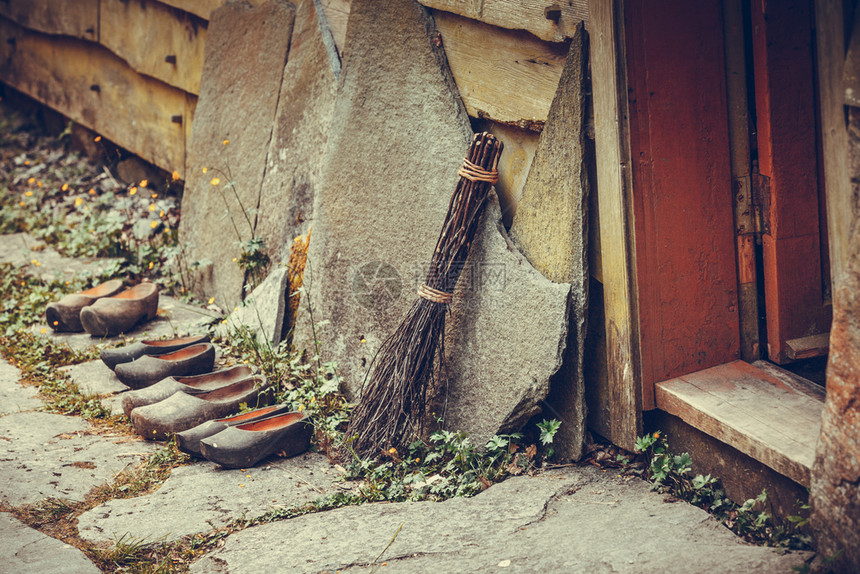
(474, 172)
(435, 295)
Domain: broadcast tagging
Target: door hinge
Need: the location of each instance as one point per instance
(760, 189)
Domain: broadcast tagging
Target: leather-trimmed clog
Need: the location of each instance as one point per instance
(193, 385)
(244, 445)
(65, 315)
(148, 370)
(111, 316)
(115, 356)
(182, 411)
(189, 440)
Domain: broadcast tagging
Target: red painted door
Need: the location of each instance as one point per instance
(686, 274)
(795, 273)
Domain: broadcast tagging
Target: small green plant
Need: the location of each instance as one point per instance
(672, 473)
(548, 428)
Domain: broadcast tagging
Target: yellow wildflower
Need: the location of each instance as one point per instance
(144, 182)
(44, 330)
(392, 450)
(21, 203)
(26, 162)
(215, 181)
(35, 262)
(363, 340)
(205, 169)
(225, 142)
(97, 139)
(31, 181)
(301, 408)
(65, 187)
(151, 264)
(153, 224)
(92, 191)
(55, 323)
(154, 195)
(132, 191)
(175, 175)
(211, 300)
(39, 183)
(79, 200)
(161, 213)
(152, 207)
(28, 194)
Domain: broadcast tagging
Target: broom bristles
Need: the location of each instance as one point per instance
(392, 408)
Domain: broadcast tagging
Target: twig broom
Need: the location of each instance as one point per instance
(391, 410)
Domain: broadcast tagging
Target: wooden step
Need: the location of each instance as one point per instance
(773, 419)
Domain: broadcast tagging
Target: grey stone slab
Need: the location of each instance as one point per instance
(38, 260)
(13, 396)
(47, 455)
(398, 136)
(175, 319)
(203, 496)
(577, 520)
(25, 550)
(506, 337)
(297, 151)
(263, 310)
(95, 378)
(246, 50)
(551, 229)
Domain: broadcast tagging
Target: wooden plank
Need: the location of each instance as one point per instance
(155, 40)
(795, 382)
(682, 189)
(504, 75)
(830, 43)
(337, 15)
(787, 152)
(201, 8)
(79, 18)
(808, 347)
(751, 411)
(93, 87)
(609, 90)
(550, 21)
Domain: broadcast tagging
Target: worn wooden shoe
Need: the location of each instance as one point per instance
(245, 445)
(189, 440)
(65, 314)
(115, 356)
(193, 385)
(181, 411)
(148, 370)
(111, 316)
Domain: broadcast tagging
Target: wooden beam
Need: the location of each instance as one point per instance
(93, 87)
(609, 89)
(550, 21)
(156, 40)
(808, 347)
(750, 410)
(830, 38)
(507, 76)
(79, 18)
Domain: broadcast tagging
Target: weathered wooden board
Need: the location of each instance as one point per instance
(750, 410)
(337, 15)
(550, 21)
(613, 190)
(505, 75)
(830, 40)
(809, 346)
(79, 18)
(155, 40)
(93, 87)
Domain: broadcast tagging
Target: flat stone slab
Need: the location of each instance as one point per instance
(575, 520)
(48, 455)
(14, 397)
(23, 250)
(94, 378)
(203, 496)
(174, 319)
(25, 550)
(246, 50)
(263, 310)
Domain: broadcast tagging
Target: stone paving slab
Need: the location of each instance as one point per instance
(575, 520)
(202, 496)
(95, 378)
(14, 397)
(38, 260)
(48, 455)
(28, 551)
